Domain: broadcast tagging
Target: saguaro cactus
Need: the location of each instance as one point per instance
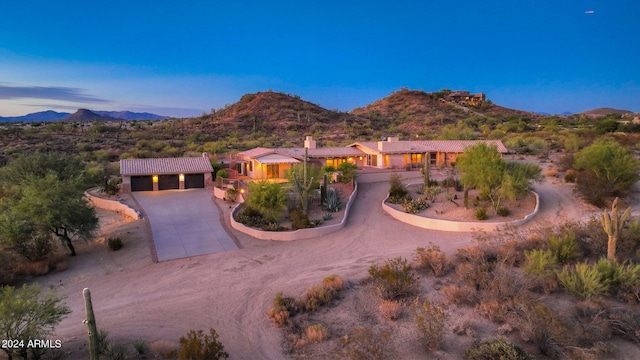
(90, 320)
(612, 224)
(304, 186)
(323, 189)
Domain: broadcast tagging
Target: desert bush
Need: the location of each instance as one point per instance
(332, 202)
(200, 346)
(503, 211)
(333, 282)
(348, 171)
(57, 354)
(570, 176)
(494, 349)
(163, 348)
(114, 244)
(539, 262)
(272, 226)
(629, 287)
(103, 340)
(551, 172)
(299, 220)
(476, 266)
(316, 333)
(390, 310)
(430, 320)
(583, 280)
(366, 343)
(541, 326)
(327, 216)
(231, 195)
(397, 191)
(393, 280)
(433, 260)
(281, 309)
(316, 296)
(461, 295)
(465, 327)
(431, 193)
(414, 206)
(481, 214)
(140, 346)
(115, 352)
(564, 247)
(251, 217)
(506, 283)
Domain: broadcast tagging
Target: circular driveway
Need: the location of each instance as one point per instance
(184, 223)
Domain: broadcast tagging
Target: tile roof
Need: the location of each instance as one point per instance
(323, 152)
(256, 152)
(450, 146)
(159, 166)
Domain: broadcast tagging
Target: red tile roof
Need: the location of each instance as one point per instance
(159, 166)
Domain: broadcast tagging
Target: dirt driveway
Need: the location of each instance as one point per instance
(184, 223)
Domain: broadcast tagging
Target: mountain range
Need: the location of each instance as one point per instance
(82, 115)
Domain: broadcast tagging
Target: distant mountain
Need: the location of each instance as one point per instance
(129, 115)
(565, 113)
(605, 112)
(42, 116)
(84, 115)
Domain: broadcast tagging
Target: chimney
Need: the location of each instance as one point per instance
(309, 143)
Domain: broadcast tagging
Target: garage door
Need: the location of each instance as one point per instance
(141, 183)
(194, 181)
(168, 182)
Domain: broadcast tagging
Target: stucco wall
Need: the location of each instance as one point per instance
(453, 226)
(297, 234)
(113, 205)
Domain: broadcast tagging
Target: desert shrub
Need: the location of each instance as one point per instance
(564, 247)
(503, 211)
(629, 287)
(251, 217)
(200, 346)
(299, 220)
(163, 348)
(582, 280)
(399, 199)
(476, 266)
(231, 195)
(539, 262)
(461, 295)
(332, 202)
(348, 171)
(333, 283)
(495, 349)
(542, 326)
(570, 176)
(316, 333)
(465, 327)
(451, 182)
(431, 192)
(57, 354)
(414, 206)
(393, 279)
(115, 352)
(390, 310)
(366, 343)
(397, 191)
(114, 243)
(430, 320)
(481, 214)
(551, 172)
(316, 296)
(281, 309)
(506, 283)
(327, 216)
(272, 226)
(112, 186)
(433, 260)
(140, 346)
(103, 340)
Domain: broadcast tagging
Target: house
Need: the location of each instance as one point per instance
(465, 97)
(389, 153)
(166, 173)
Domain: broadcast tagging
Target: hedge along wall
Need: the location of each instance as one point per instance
(453, 226)
(296, 234)
(112, 205)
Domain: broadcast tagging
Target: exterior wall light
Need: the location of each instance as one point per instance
(155, 178)
(181, 177)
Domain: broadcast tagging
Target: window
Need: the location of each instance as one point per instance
(416, 160)
(273, 171)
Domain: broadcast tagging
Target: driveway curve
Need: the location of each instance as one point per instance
(184, 223)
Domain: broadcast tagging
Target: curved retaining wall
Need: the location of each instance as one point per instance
(453, 226)
(297, 234)
(112, 205)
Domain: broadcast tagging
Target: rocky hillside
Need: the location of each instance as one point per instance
(84, 115)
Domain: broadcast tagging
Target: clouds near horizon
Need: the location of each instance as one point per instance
(10, 92)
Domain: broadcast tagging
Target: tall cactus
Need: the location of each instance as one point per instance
(91, 325)
(323, 189)
(304, 186)
(425, 172)
(612, 224)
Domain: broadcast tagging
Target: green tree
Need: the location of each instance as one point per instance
(44, 194)
(268, 198)
(613, 167)
(482, 167)
(26, 313)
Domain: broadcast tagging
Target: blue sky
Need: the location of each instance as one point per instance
(182, 58)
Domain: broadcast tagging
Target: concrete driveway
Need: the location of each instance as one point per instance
(184, 223)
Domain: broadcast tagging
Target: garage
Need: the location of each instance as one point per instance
(156, 174)
(142, 183)
(168, 182)
(194, 181)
